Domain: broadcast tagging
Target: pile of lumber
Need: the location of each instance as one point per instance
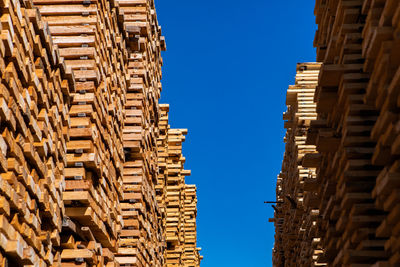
(142, 236)
(191, 253)
(295, 216)
(177, 199)
(79, 130)
(93, 175)
(34, 118)
(356, 134)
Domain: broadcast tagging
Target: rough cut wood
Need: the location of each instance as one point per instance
(178, 201)
(79, 128)
(296, 241)
(356, 135)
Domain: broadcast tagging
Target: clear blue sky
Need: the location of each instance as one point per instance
(226, 70)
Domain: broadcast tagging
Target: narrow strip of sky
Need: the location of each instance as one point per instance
(227, 67)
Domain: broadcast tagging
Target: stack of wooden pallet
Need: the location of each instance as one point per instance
(295, 216)
(79, 118)
(357, 133)
(177, 200)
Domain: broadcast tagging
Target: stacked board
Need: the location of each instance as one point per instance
(361, 66)
(177, 199)
(142, 236)
(356, 133)
(95, 155)
(191, 253)
(79, 126)
(295, 215)
(34, 118)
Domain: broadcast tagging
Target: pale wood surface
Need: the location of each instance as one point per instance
(79, 124)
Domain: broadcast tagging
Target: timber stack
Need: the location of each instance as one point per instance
(79, 130)
(356, 185)
(178, 200)
(141, 237)
(191, 253)
(295, 216)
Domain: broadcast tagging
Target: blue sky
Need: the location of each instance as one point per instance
(226, 70)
